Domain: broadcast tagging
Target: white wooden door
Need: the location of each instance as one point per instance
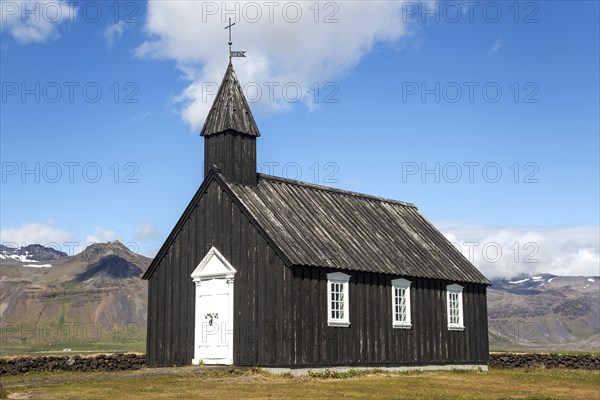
(213, 331)
(215, 326)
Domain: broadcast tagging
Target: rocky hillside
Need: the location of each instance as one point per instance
(545, 312)
(51, 301)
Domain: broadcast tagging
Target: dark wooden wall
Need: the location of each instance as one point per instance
(281, 312)
(370, 339)
(234, 154)
(259, 288)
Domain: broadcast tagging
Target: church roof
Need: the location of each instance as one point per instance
(320, 226)
(325, 227)
(230, 110)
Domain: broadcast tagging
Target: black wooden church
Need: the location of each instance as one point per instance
(261, 270)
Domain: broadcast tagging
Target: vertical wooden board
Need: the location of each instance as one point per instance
(444, 328)
(427, 304)
(251, 169)
(162, 315)
(246, 300)
(165, 310)
(305, 300)
(303, 323)
(424, 323)
(258, 328)
(252, 293)
(466, 347)
(273, 304)
(363, 317)
(374, 311)
(370, 312)
(314, 317)
(239, 284)
(190, 288)
(437, 304)
(226, 227)
(355, 313)
(483, 326)
(190, 301)
(175, 294)
(476, 348)
(169, 306)
(433, 323)
(282, 309)
(484, 323)
(288, 320)
(406, 336)
(385, 323)
(413, 343)
(478, 353)
(151, 322)
(149, 326)
(320, 314)
(297, 334)
(159, 314)
(260, 295)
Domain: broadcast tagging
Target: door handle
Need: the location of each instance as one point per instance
(211, 316)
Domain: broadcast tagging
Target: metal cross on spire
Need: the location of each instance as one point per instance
(233, 53)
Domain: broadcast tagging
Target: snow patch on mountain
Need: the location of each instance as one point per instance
(520, 281)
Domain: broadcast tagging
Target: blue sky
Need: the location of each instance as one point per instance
(402, 88)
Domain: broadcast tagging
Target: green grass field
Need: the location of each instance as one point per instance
(203, 382)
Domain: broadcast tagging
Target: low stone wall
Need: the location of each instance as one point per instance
(121, 362)
(102, 362)
(529, 360)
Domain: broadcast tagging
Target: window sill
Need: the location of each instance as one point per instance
(402, 326)
(338, 324)
(456, 328)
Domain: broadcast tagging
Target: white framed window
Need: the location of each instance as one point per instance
(454, 300)
(338, 306)
(401, 303)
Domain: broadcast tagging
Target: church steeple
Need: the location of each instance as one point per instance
(230, 110)
(230, 133)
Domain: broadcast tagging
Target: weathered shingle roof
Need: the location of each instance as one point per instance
(326, 227)
(230, 110)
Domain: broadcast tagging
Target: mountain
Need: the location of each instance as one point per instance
(30, 254)
(545, 312)
(95, 298)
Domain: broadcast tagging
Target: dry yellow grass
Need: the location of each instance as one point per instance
(199, 382)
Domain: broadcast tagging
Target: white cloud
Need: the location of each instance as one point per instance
(145, 231)
(114, 31)
(38, 232)
(35, 20)
(512, 251)
(101, 235)
(496, 46)
(278, 50)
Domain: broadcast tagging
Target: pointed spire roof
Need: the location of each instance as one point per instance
(230, 110)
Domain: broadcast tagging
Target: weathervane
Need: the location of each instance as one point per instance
(233, 53)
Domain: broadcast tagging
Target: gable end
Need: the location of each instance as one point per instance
(210, 178)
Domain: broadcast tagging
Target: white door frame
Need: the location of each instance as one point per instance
(213, 266)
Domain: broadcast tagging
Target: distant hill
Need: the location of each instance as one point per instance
(51, 301)
(97, 301)
(545, 312)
